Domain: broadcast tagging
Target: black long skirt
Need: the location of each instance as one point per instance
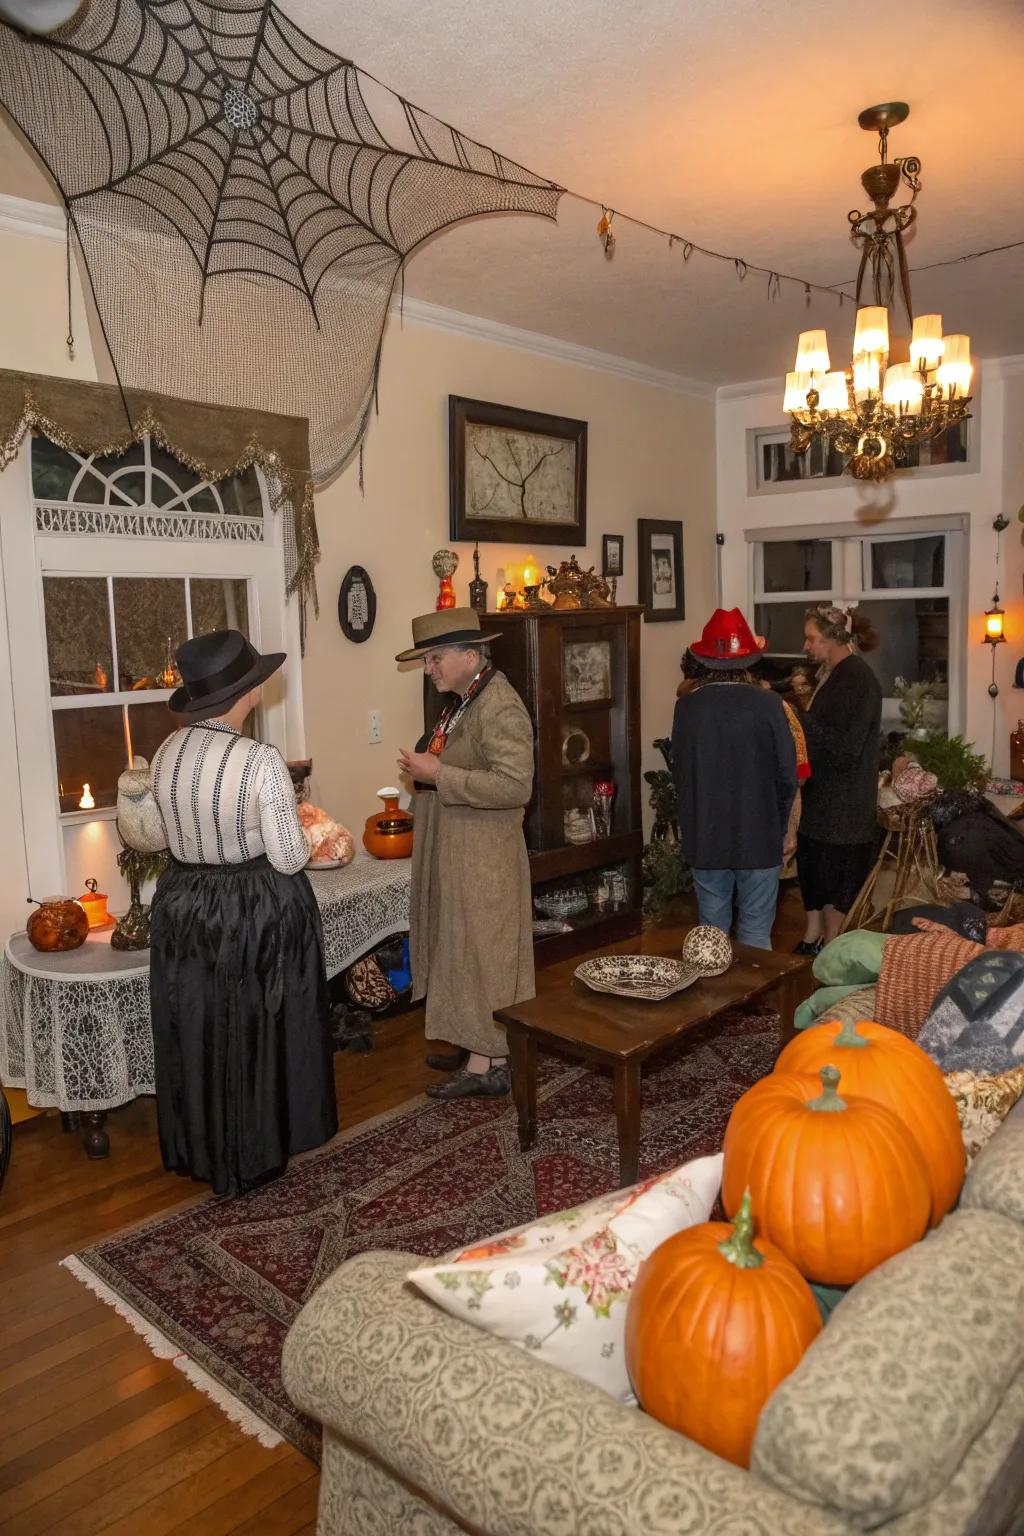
(242, 1047)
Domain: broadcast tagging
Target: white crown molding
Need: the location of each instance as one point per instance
(752, 387)
(481, 329)
(20, 216)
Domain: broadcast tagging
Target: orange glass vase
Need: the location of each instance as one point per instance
(388, 833)
(94, 904)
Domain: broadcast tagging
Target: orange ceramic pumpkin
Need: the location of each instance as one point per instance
(838, 1184)
(881, 1064)
(59, 924)
(715, 1321)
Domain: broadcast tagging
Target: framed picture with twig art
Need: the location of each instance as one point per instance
(515, 475)
(660, 569)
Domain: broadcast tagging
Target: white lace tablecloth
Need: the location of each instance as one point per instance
(75, 1030)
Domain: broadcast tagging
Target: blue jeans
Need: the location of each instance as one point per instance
(755, 891)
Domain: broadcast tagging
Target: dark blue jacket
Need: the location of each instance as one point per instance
(735, 770)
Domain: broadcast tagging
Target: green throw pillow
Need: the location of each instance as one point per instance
(818, 1004)
(852, 959)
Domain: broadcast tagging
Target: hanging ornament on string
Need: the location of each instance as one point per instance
(605, 232)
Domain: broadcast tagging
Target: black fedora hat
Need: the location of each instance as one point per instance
(216, 669)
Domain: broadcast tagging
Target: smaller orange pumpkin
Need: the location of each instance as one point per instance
(838, 1184)
(881, 1064)
(715, 1321)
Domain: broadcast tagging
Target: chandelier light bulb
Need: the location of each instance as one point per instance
(954, 372)
(865, 377)
(926, 342)
(903, 389)
(812, 352)
(872, 333)
(832, 392)
(797, 385)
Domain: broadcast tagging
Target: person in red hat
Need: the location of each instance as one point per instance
(736, 778)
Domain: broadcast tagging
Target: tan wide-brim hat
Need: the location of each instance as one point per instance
(451, 626)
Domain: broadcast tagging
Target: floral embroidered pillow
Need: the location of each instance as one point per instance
(559, 1285)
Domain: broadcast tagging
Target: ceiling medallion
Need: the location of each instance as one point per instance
(876, 409)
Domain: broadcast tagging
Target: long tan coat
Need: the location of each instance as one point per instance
(470, 927)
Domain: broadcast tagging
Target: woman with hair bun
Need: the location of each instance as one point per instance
(842, 725)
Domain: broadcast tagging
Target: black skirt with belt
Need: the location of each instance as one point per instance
(242, 1046)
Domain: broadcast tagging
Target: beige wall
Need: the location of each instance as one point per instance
(650, 454)
(34, 327)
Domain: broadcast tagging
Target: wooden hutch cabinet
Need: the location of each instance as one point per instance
(578, 673)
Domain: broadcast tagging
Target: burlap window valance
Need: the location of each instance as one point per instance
(211, 440)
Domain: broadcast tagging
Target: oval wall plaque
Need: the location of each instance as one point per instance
(357, 605)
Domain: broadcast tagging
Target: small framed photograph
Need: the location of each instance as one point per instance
(660, 569)
(611, 554)
(587, 670)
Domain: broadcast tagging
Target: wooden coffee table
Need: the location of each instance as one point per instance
(620, 1033)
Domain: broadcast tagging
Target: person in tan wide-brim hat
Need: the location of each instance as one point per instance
(470, 923)
(450, 626)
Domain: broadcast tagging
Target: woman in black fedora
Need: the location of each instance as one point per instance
(244, 1076)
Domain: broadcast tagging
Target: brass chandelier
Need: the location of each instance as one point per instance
(876, 409)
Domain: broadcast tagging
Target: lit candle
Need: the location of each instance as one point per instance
(531, 575)
(87, 803)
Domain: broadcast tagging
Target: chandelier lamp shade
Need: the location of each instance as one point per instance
(878, 407)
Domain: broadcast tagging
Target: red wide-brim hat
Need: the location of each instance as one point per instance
(727, 642)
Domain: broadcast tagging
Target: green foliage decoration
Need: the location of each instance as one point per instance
(952, 760)
(666, 873)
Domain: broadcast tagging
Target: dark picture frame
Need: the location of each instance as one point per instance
(613, 554)
(660, 575)
(491, 461)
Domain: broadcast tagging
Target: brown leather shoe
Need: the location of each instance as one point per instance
(438, 1061)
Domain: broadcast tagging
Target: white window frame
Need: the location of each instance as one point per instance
(757, 437)
(851, 567)
(29, 554)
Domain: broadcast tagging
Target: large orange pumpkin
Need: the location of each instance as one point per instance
(881, 1064)
(838, 1184)
(715, 1321)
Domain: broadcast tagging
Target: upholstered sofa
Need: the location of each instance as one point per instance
(905, 1415)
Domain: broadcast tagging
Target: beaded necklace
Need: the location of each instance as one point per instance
(453, 712)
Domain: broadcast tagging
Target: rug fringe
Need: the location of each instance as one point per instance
(248, 1422)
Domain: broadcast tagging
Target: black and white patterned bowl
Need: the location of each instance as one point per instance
(650, 977)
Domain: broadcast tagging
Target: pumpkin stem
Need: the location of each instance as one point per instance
(848, 1035)
(829, 1101)
(739, 1248)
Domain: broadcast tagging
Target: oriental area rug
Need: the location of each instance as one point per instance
(215, 1286)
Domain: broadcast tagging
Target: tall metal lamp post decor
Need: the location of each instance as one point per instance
(877, 408)
(995, 615)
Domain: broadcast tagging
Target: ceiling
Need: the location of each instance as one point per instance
(734, 126)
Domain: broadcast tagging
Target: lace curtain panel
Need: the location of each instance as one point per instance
(79, 1036)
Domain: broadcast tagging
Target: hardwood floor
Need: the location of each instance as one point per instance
(98, 1435)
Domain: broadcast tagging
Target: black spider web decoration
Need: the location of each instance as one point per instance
(242, 214)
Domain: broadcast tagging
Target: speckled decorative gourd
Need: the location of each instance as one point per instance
(708, 950)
